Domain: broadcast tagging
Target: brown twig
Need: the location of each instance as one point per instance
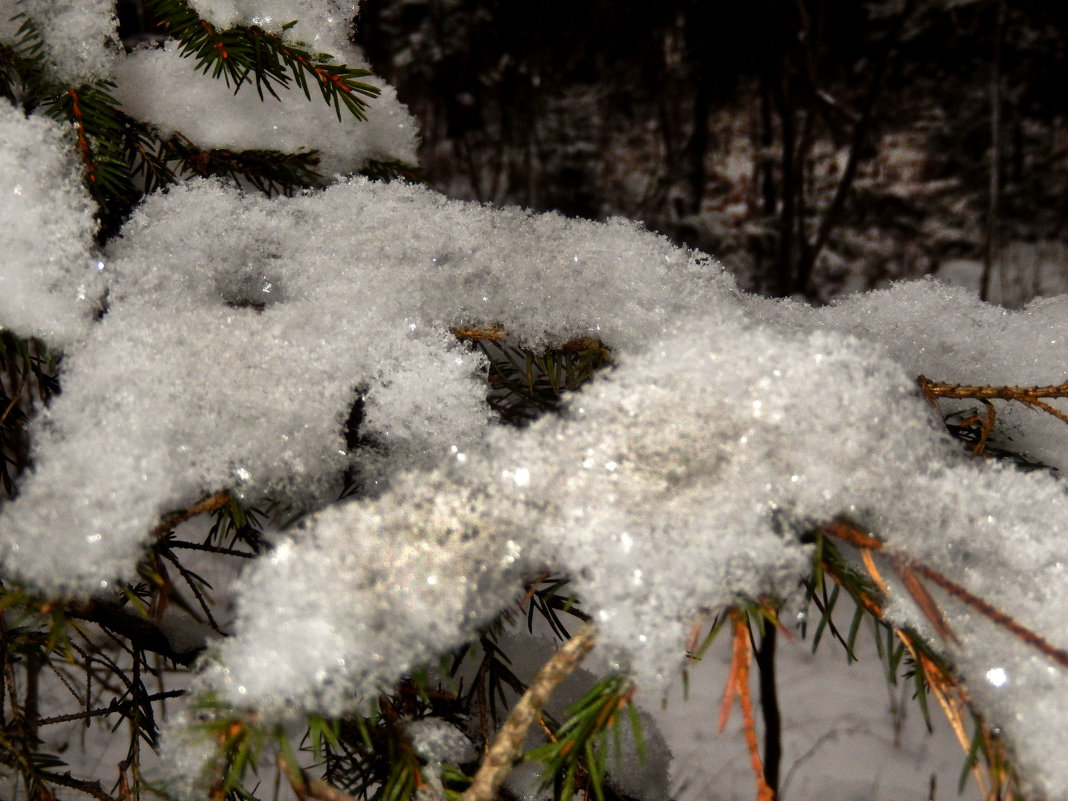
(209, 504)
(499, 760)
(738, 685)
(908, 569)
(308, 786)
(480, 333)
(1030, 396)
(948, 692)
(932, 390)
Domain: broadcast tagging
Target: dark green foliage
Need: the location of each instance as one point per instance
(124, 158)
(580, 754)
(236, 523)
(28, 380)
(270, 171)
(525, 384)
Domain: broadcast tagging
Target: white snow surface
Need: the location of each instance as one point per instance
(158, 86)
(674, 484)
(49, 282)
(241, 330)
(323, 24)
(80, 36)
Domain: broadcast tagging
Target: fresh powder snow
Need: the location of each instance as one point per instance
(240, 330)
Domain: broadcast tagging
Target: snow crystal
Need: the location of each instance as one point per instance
(80, 36)
(677, 485)
(193, 387)
(437, 740)
(241, 331)
(408, 577)
(324, 25)
(49, 277)
(647, 498)
(950, 336)
(166, 90)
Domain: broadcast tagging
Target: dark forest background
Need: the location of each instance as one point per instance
(815, 146)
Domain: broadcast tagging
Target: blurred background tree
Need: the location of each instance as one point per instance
(816, 146)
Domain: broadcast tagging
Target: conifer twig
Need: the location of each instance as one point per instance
(117, 706)
(308, 786)
(499, 760)
(984, 393)
(909, 569)
(738, 685)
(209, 504)
(14, 399)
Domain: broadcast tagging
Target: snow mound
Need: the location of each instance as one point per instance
(49, 281)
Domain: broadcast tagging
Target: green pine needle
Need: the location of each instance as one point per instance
(248, 54)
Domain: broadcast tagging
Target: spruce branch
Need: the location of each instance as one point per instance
(269, 171)
(930, 674)
(308, 786)
(144, 633)
(32, 767)
(910, 570)
(99, 129)
(1034, 396)
(500, 759)
(21, 65)
(248, 53)
(210, 504)
(577, 748)
(117, 706)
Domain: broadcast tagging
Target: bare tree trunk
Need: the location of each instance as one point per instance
(769, 706)
(784, 271)
(861, 131)
(990, 233)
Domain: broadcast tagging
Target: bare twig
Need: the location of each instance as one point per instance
(909, 570)
(116, 707)
(1031, 396)
(479, 333)
(738, 685)
(200, 546)
(209, 504)
(502, 755)
(308, 786)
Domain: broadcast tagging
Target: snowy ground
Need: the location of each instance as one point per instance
(842, 740)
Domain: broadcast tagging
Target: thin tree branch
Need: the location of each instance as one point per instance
(308, 786)
(140, 630)
(859, 138)
(209, 504)
(501, 757)
(116, 707)
(905, 565)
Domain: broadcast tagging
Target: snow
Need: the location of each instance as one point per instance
(436, 740)
(357, 305)
(324, 25)
(241, 330)
(947, 334)
(49, 283)
(209, 113)
(80, 36)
